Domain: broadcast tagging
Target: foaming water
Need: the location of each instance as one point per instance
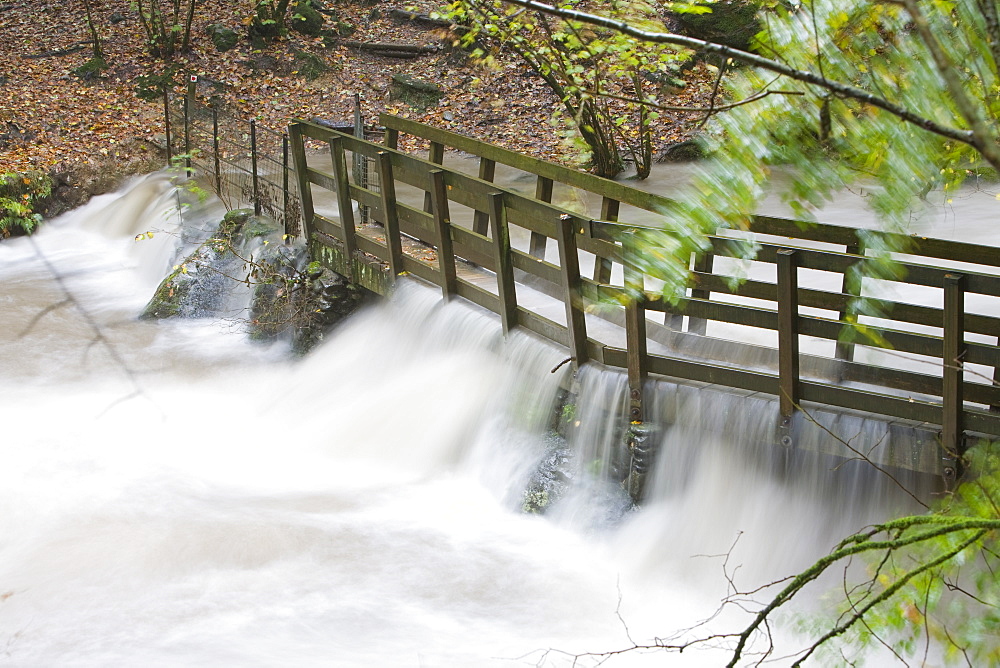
(171, 494)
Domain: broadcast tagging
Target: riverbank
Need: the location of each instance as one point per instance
(89, 131)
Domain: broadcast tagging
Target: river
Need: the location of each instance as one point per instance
(174, 495)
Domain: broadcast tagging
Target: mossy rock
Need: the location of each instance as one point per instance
(685, 151)
(417, 93)
(731, 22)
(310, 65)
(195, 287)
(305, 19)
(223, 38)
(92, 69)
(302, 300)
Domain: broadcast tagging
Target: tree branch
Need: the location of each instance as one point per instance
(988, 8)
(983, 138)
(696, 110)
(841, 89)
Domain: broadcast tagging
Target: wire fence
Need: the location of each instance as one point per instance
(248, 164)
(245, 163)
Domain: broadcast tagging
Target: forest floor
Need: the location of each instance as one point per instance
(53, 120)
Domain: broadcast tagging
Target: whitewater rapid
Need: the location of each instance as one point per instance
(174, 495)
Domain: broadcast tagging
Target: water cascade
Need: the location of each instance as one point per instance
(173, 494)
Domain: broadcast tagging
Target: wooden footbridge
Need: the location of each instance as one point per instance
(406, 214)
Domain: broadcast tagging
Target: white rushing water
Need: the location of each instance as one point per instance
(173, 495)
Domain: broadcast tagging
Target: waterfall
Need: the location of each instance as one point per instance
(173, 494)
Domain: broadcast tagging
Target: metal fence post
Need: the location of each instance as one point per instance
(187, 135)
(166, 123)
(215, 150)
(253, 165)
(284, 185)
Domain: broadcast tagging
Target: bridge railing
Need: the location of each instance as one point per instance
(941, 397)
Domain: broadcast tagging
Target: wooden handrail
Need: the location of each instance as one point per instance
(898, 393)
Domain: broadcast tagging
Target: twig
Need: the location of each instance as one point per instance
(862, 456)
(562, 364)
(57, 52)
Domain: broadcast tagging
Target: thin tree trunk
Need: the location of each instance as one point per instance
(94, 35)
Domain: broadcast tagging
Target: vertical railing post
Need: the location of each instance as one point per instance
(344, 206)
(392, 138)
(504, 262)
(166, 124)
(569, 262)
(995, 408)
(253, 166)
(390, 216)
(442, 221)
(188, 109)
(788, 332)
(302, 178)
(602, 265)
(850, 285)
(187, 136)
(435, 155)
(704, 263)
(953, 360)
(537, 241)
(284, 187)
(215, 151)
(481, 219)
(635, 327)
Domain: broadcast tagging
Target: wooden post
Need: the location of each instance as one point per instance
(953, 357)
(569, 262)
(788, 332)
(302, 178)
(442, 220)
(704, 263)
(602, 265)
(995, 408)
(481, 219)
(536, 244)
(635, 328)
(344, 204)
(504, 262)
(851, 285)
(392, 138)
(390, 217)
(253, 163)
(435, 155)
